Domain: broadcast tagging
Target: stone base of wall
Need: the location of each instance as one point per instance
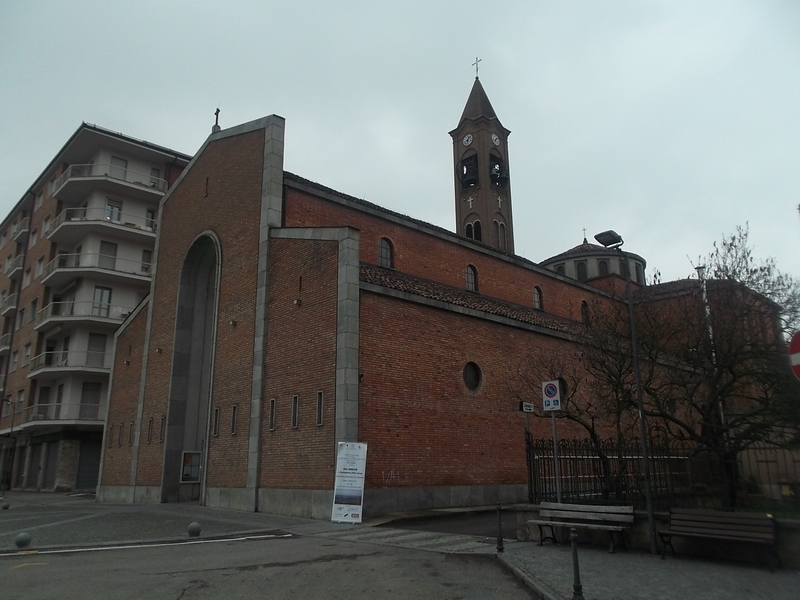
(308, 504)
(384, 501)
(128, 494)
(233, 498)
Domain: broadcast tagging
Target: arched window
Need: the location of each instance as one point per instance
(603, 266)
(469, 171)
(468, 231)
(537, 298)
(623, 268)
(472, 279)
(560, 270)
(581, 266)
(500, 230)
(639, 275)
(385, 254)
(585, 312)
(476, 229)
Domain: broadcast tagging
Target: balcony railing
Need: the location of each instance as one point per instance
(71, 359)
(2, 382)
(21, 229)
(98, 170)
(14, 266)
(104, 215)
(86, 308)
(97, 261)
(60, 412)
(9, 304)
(5, 343)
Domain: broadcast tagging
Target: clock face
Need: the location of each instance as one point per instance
(467, 139)
(495, 139)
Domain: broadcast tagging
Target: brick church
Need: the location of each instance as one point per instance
(284, 317)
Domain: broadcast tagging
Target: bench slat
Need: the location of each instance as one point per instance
(587, 507)
(574, 524)
(586, 516)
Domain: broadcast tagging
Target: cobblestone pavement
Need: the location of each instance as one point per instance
(60, 521)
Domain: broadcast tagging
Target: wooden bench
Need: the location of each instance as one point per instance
(719, 525)
(606, 518)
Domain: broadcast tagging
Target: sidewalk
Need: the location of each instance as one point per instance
(73, 521)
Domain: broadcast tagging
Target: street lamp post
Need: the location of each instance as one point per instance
(612, 240)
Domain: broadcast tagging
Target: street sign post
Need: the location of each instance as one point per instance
(794, 354)
(551, 402)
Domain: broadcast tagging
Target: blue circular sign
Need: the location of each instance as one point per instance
(550, 390)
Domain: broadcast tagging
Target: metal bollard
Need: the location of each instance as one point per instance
(577, 593)
(500, 547)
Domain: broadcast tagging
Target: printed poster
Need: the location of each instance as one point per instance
(348, 491)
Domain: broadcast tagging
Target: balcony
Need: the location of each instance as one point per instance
(14, 267)
(51, 365)
(78, 181)
(19, 232)
(5, 344)
(2, 383)
(80, 313)
(9, 305)
(52, 417)
(64, 268)
(73, 224)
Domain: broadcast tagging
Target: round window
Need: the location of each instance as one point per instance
(472, 376)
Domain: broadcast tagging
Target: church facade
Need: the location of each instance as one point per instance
(285, 317)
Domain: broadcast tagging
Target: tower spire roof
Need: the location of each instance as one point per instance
(478, 104)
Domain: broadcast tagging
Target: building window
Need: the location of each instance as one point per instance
(113, 210)
(32, 238)
(319, 408)
(26, 278)
(110, 436)
(163, 432)
(639, 276)
(295, 411)
(101, 304)
(147, 260)
(130, 434)
(26, 355)
(385, 254)
(581, 268)
(234, 413)
(272, 414)
(472, 279)
(46, 225)
(14, 360)
(37, 203)
(560, 270)
(585, 312)
(472, 376)
(20, 317)
(603, 267)
(39, 266)
(623, 268)
(20, 401)
(149, 430)
(537, 298)
(34, 309)
(108, 255)
(150, 219)
(500, 229)
(215, 425)
(119, 435)
(155, 175)
(118, 168)
(469, 171)
(473, 231)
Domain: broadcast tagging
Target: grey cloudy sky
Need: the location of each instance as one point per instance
(671, 122)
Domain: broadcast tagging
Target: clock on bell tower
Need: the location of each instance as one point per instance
(482, 185)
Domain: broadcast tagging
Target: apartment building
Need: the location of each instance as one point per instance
(75, 259)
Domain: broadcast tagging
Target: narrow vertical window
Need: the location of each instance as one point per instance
(319, 407)
(472, 279)
(215, 425)
(110, 436)
(130, 434)
(476, 230)
(585, 317)
(162, 434)
(149, 430)
(581, 266)
(119, 437)
(385, 254)
(234, 412)
(537, 298)
(295, 410)
(603, 266)
(272, 414)
(468, 231)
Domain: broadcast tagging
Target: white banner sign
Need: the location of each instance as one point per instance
(348, 490)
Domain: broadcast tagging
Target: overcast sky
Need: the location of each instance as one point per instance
(671, 122)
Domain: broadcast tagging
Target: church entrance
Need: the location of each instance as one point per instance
(185, 454)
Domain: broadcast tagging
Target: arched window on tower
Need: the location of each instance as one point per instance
(385, 253)
(468, 171)
(500, 230)
(585, 312)
(497, 170)
(476, 231)
(603, 266)
(472, 279)
(537, 298)
(581, 266)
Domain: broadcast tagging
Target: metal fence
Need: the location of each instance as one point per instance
(682, 474)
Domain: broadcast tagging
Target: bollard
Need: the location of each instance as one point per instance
(6, 506)
(194, 529)
(23, 540)
(500, 546)
(577, 588)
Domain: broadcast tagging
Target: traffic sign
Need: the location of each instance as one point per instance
(794, 353)
(526, 407)
(551, 395)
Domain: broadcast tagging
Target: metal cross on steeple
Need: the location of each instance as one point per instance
(475, 64)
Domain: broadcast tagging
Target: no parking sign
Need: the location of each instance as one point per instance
(551, 395)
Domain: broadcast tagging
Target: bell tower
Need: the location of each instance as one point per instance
(482, 184)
